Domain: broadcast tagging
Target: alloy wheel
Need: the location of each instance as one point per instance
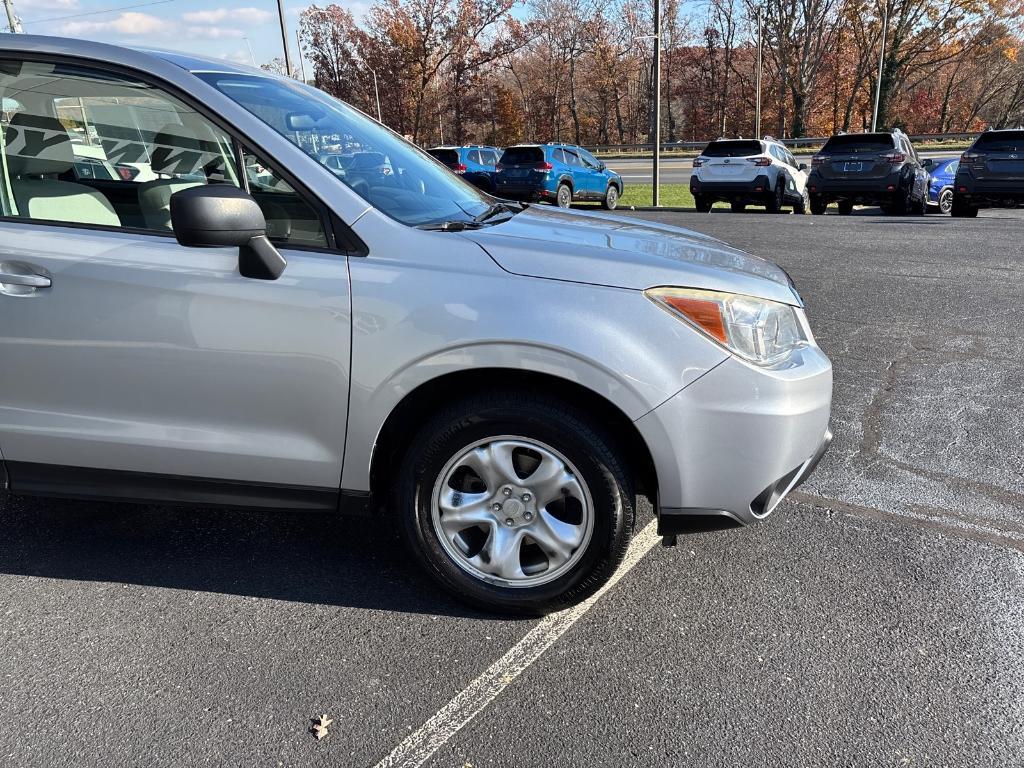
(512, 511)
(946, 201)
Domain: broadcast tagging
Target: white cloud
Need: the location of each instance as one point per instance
(129, 23)
(215, 33)
(49, 5)
(249, 17)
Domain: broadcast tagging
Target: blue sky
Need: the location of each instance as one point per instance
(216, 28)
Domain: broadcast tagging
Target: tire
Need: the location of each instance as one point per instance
(946, 201)
(845, 207)
(961, 208)
(801, 207)
(563, 196)
(595, 520)
(611, 198)
(818, 205)
(774, 202)
(920, 207)
(702, 204)
(737, 207)
(903, 202)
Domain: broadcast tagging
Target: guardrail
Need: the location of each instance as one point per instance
(805, 141)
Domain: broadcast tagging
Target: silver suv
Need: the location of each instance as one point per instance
(252, 327)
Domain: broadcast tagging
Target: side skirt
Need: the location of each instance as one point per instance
(32, 479)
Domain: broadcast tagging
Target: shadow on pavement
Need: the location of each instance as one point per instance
(299, 556)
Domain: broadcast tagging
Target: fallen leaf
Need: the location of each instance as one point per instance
(320, 727)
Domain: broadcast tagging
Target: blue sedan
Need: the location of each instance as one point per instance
(940, 183)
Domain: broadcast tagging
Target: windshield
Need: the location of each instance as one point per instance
(384, 169)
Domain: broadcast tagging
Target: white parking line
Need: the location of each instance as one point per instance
(420, 745)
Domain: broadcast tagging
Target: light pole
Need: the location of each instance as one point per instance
(655, 165)
(881, 64)
(12, 20)
(376, 95)
(760, 48)
(284, 38)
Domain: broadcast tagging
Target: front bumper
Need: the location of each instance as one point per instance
(729, 447)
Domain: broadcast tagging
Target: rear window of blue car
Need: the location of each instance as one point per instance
(522, 156)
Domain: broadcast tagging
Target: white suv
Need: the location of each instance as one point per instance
(749, 172)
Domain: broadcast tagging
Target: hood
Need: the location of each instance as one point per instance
(626, 253)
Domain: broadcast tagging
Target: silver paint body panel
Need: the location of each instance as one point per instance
(152, 357)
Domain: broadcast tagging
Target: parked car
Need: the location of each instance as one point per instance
(746, 172)
(556, 173)
(991, 173)
(476, 164)
(941, 173)
(495, 381)
(880, 169)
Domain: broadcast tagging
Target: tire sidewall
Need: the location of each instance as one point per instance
(567, 195)
(611, 197)
(612, 508)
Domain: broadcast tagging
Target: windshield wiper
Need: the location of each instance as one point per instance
(450, 226)
(496, 208)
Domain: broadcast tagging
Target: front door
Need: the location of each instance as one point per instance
(122, 350)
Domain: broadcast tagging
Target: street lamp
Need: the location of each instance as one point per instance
(881, 64)
(656, 109)
(376, 93)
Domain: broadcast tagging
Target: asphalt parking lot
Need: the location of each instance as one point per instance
(877, 618)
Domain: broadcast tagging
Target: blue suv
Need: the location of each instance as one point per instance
(940, 183)
(556, 173)
(476, 164)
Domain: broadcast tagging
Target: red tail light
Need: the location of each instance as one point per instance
(818, 160)
(761, 162)
(972, 159)
(698, 162)
(544, 167)
(459, 168)
(895, 157)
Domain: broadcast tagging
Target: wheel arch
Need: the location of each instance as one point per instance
(417, 406)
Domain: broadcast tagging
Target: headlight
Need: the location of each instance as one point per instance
(758, 330)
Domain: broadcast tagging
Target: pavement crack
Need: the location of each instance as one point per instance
(929, 520)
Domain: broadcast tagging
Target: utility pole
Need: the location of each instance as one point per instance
(376, 95)
(302, 60)
(12, 20)
(284, 38)
(757, 108)
(881, 64)
(655, 168)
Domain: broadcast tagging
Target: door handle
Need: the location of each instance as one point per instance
(28, 281)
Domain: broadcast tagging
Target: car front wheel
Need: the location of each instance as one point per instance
(515, 504)
(611, 198)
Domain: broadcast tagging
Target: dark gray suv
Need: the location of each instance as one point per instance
(991, 173)
(880, 169)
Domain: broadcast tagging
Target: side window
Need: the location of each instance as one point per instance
(588, 159)
(573, 159)
(291, 220)
(474, 156)
(791, 160)
(559, 156)
(491, 157)
(89, 147)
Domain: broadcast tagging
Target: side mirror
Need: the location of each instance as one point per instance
(803, 166)
(927, 163)
(219, 215)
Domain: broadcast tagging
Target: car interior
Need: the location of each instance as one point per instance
(87, 148)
